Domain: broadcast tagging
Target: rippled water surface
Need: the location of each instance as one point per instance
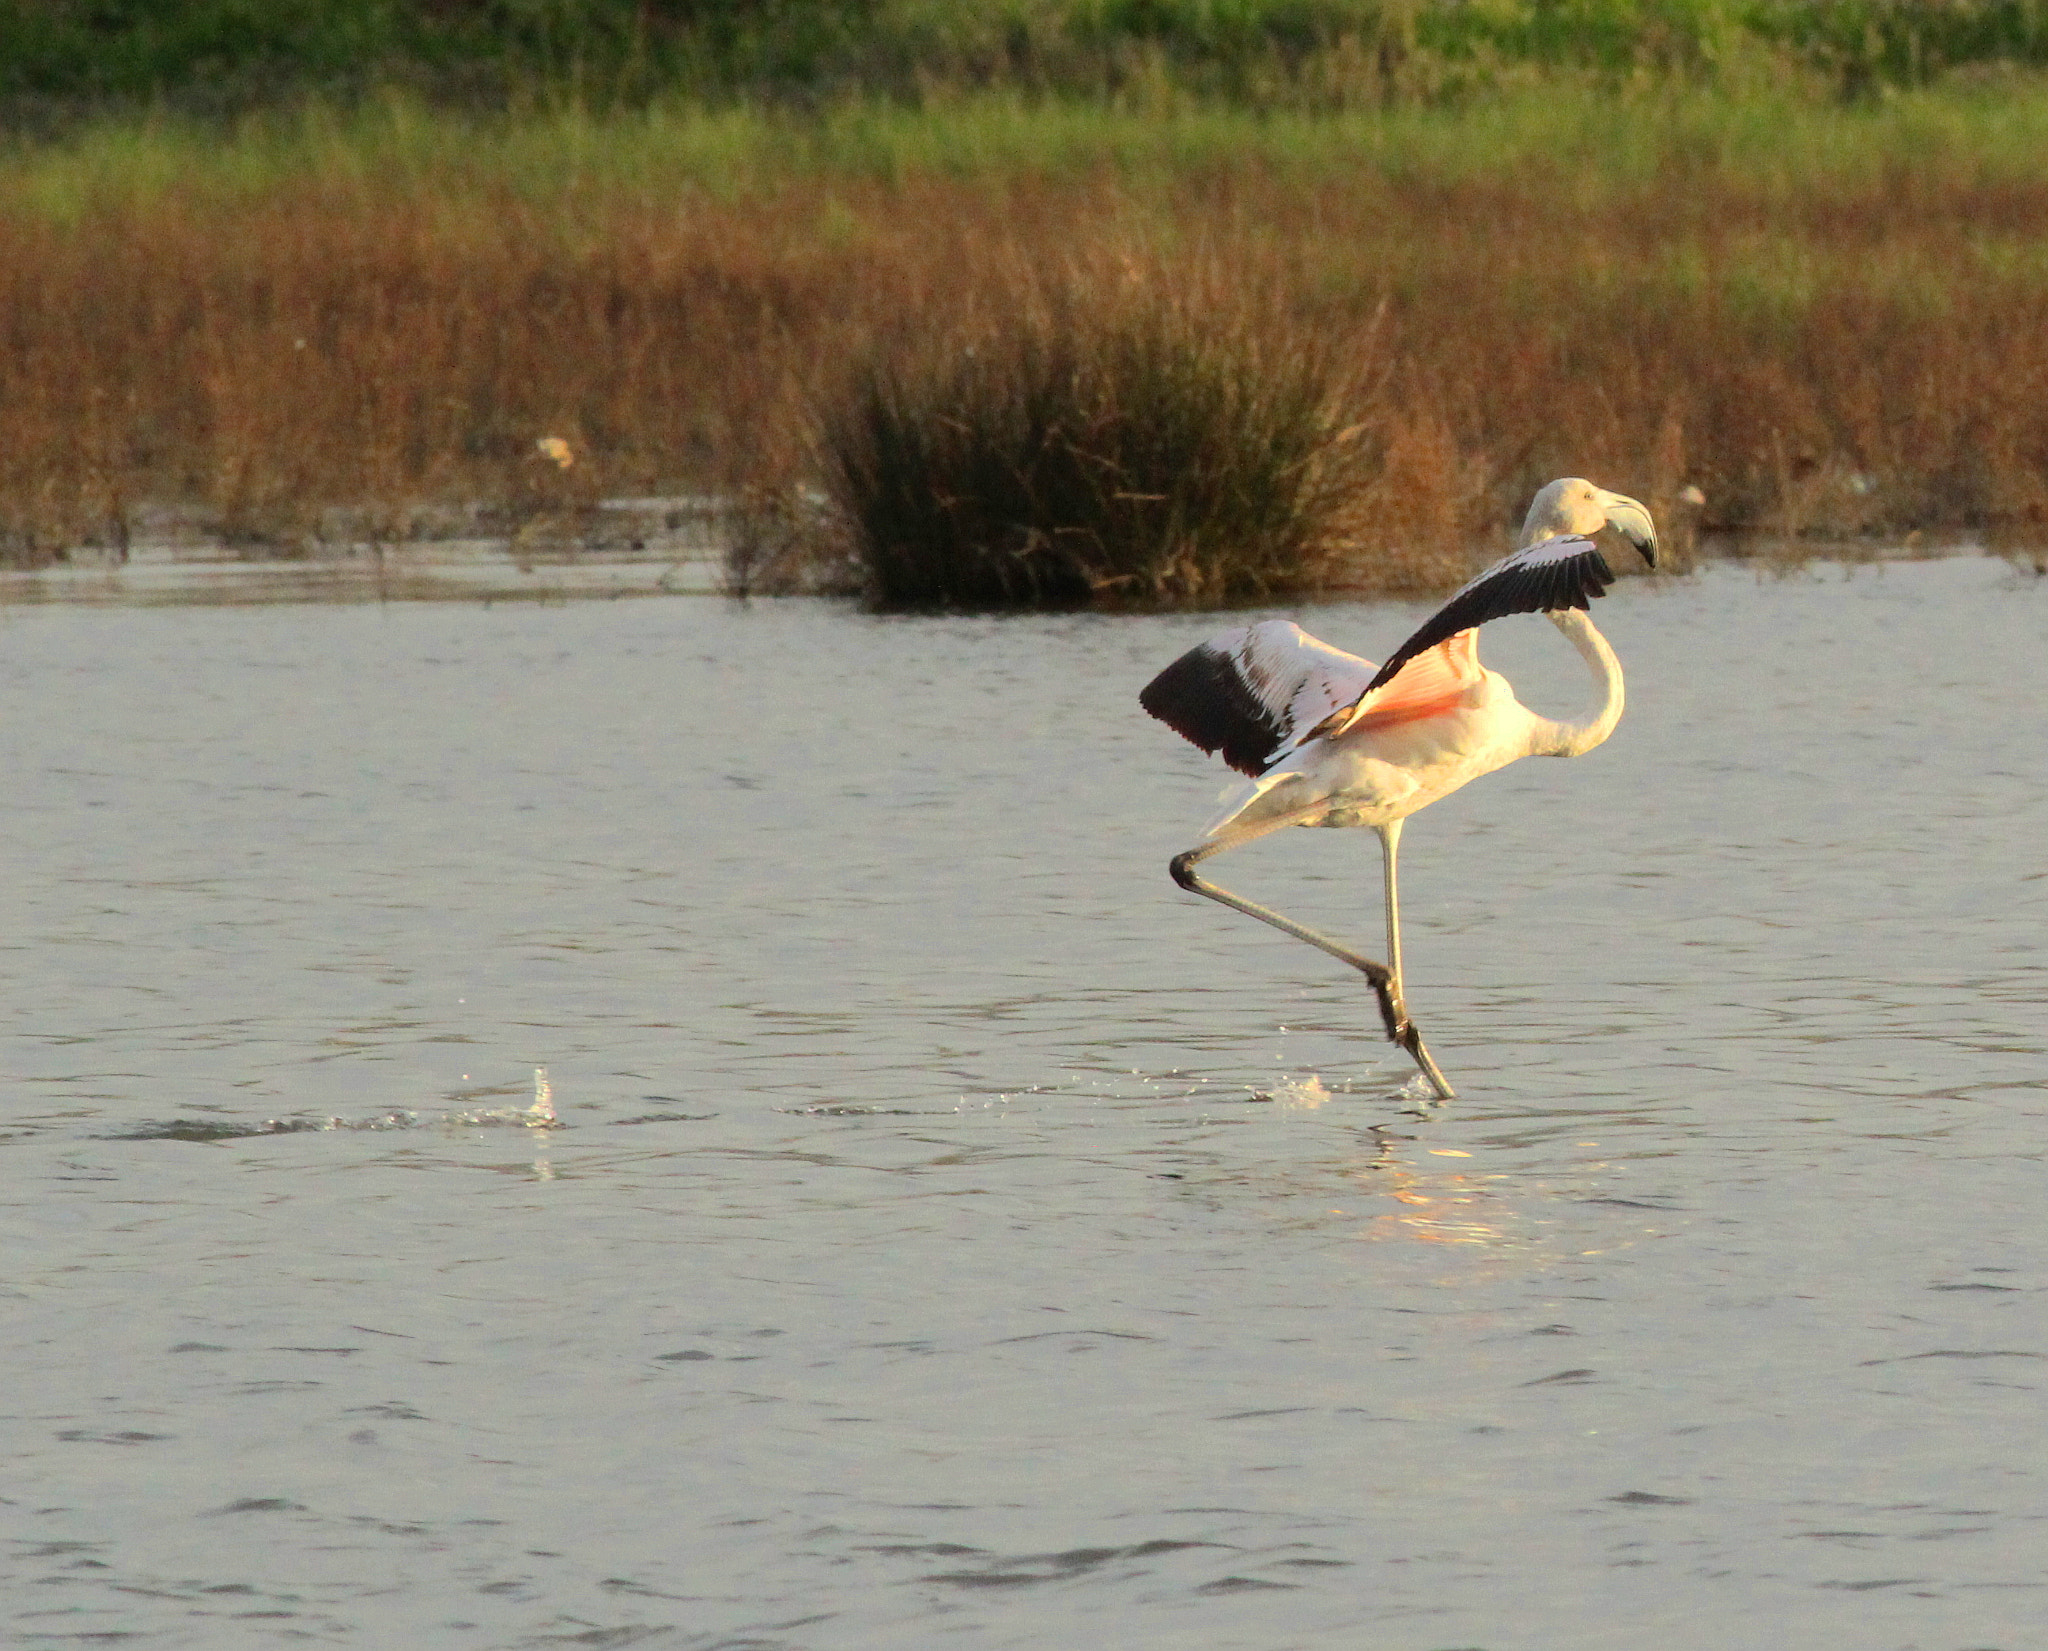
(957, 1236)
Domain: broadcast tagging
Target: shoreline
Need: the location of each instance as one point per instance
(206, 573)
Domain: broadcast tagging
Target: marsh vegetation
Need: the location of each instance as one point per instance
(390, 316)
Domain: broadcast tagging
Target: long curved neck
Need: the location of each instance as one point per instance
(1575, 739)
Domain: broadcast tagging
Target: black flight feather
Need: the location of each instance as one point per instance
(1548, 575)
(1203, 697)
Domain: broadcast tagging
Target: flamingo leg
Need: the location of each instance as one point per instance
(1390, 845)
(1384, 981)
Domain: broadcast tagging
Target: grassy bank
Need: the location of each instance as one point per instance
(1828, 318)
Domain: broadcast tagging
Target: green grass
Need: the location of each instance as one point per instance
(1576, 140)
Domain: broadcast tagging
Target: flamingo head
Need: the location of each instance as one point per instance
(1572, 504)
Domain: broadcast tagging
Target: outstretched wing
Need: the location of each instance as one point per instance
(1565, 572)
(1253, 691)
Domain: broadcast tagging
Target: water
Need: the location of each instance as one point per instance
(954, 1234)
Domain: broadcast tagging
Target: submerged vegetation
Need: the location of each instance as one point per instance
(1205, 320)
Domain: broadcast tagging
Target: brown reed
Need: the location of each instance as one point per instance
(314, 363)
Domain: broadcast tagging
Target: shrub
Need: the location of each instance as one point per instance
(1120, 447)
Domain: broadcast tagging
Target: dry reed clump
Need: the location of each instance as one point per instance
(1113, 441)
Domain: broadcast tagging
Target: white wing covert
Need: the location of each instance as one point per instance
(1253, 691)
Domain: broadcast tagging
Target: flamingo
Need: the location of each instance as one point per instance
(1329, 741)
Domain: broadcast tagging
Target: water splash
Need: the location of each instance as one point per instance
(1419, 1096)
(1303, 1094)
(540, 1115)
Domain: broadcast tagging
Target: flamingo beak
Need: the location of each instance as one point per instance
(1628, 518)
